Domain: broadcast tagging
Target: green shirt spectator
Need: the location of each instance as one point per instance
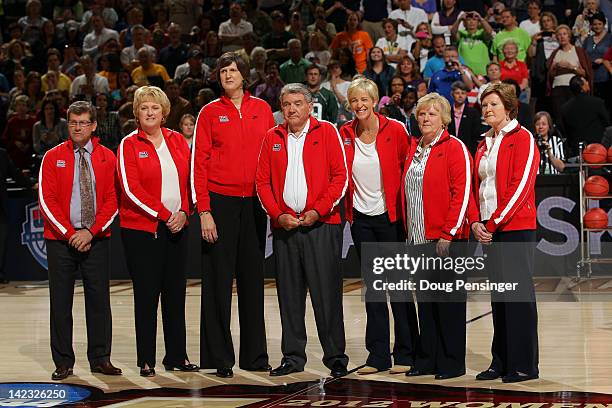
(325, 105)
(474, 49)
(511, 30)
(291, 72)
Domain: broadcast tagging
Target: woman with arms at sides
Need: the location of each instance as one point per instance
(376, 148)
(226, 144)
(435, 195)
(504, 215)
(153, 169)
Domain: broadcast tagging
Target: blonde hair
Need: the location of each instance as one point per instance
(563, 27)
(151, 94)
(507, 94)
(364, 84)
(438, 102)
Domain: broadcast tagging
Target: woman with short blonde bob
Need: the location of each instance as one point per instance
(505, 169)
(153, 169)
(375, 149)
(435, 197)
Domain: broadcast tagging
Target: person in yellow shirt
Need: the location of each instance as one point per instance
(149, 73)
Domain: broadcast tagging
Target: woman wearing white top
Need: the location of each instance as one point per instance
(375, 150)
(153, 168)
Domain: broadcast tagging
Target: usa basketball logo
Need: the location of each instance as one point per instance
(32, 234)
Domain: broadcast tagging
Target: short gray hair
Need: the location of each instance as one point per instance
(81, 107)
(296, 88)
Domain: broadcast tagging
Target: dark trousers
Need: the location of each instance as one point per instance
(558, 96)
(157, 266)
(3, 233)
(308, 258)
(406, 328)
(515, 323)
(239, 251)
(94, 265)
(442, 324)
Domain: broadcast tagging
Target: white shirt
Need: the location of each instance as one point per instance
(393, 47)
(183, 70)
(531, 28)
(229, 28)
(128, 54)
(92, 41)
(100, 85)
(487, 169)
(369, 195)
(170, 192)
(414, 17)
(296, 189)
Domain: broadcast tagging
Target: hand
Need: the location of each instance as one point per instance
(568, 12)
(481, 233)
(599, 61)
(209, 228)
(442, 247)
(309, 218)
(176, 222)
(396, 98)
(80, 240)
(288, 222)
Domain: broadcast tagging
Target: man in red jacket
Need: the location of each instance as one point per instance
(301, 177)
(77, 198)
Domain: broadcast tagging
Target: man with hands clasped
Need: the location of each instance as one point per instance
(78, 203)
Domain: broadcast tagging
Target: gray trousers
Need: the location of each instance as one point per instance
(308, 258)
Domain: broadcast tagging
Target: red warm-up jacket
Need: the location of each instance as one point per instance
(55, 190)
(446, 188)
(518, 159)
(140, 176)
(226, 145)
(392, 146)
(324, 167)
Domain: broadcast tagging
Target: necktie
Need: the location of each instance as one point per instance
(87, 196)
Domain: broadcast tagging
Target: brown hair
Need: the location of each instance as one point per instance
(508, 96)
(226, 59)
(81, 107)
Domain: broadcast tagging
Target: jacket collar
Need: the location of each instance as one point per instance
(383, 121)
(95, 141)
(165, 133)
(512, 127)
(227, 101)
(444, 136)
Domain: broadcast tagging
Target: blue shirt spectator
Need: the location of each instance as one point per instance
(442, 80)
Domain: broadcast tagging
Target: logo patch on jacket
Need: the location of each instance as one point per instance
(347, 141)
(223, 119)
(61, 163)
(276, 147)
(143, 155)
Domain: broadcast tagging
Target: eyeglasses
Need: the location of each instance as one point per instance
(83, 123)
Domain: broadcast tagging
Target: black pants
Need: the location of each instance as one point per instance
(515, 323)
(239, 251)
(157, 266)
(308, 258)
(3, 233)
(379, 229)
(558, 96)
(442, 344)
(94, 265)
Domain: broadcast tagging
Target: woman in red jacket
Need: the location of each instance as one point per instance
(505, 169)
(436, 192)
(226, 143)
(376, 148)
(153, 169)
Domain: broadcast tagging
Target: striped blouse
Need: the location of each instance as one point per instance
(415, 220)
(558, 151)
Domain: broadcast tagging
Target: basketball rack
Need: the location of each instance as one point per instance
(584, 266)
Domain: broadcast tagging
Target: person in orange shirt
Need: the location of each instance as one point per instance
(355, 39)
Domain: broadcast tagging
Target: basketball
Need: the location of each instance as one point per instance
(595, 153)
(596, 186)
(610, 155)
(596, 218)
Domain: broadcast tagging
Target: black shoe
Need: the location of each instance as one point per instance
(446, 376)
(61, 373)
(284, 369)
(415, 372)
(518, 377)
(147, 372)
(183, 367)
(261, 369)
(489, 374)
(224, 372)
(338, 370)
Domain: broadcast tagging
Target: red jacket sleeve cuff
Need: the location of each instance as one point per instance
(491, 226)
(164, 214)
(446, 236)
(70, 233)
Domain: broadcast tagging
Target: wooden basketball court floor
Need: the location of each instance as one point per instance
(575, 349)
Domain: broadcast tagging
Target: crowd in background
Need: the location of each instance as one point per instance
(557, 54)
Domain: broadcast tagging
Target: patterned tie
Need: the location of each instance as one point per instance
(87, 197)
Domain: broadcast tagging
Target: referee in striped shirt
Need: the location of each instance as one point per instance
(552, 148)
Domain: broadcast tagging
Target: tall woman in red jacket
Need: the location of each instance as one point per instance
(505, 169)
(226, 143)
(376, 148)
(153, 169)
(436, 192)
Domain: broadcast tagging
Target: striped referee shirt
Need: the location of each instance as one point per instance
(558, 151)
(413, 183)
